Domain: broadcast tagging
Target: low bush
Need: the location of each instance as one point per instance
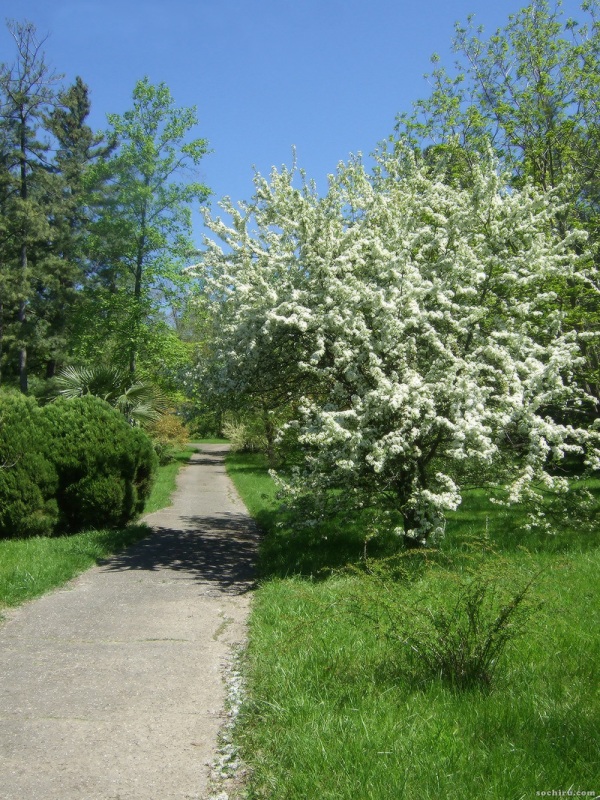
(445, 621)
(28, 478)
(105, 467)
(244, 436)
(169, 434)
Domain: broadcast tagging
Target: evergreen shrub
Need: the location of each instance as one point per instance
(28, 478)
(105, 468)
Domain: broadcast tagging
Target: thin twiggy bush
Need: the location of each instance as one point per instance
(452, 625)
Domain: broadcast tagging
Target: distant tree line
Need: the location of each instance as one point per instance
(95, 227)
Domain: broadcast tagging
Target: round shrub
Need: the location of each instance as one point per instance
(28, 479)
(90, 496)
(146, 461)
(104, 466)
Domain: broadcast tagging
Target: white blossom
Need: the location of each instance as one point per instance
(418, 322)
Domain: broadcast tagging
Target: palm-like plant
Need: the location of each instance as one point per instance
(140, 402)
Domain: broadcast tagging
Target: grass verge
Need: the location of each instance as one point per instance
(31, 567)
(333, 710)
(165, 482)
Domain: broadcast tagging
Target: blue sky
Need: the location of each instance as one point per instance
(325, 76)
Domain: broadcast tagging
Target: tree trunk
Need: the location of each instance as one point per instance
(270, 436)
(411, 524)
(136, 317)
(22, 317)
(22, 314)
(137, 294)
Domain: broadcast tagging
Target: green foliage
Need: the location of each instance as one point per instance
(105, 467)
(531, 92)
(138, 401)
(95, 228)
(259, 430)
(143, 236)
(169, 434)
(27, 196)
(28, 479)
(77, 150)
(244, 436)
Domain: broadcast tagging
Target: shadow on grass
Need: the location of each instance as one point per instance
(285, 549)
(505, 527)
(289, 549)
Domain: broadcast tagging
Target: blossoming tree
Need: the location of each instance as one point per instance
(419, 326)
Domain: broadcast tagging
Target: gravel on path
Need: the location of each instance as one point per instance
(111, 688)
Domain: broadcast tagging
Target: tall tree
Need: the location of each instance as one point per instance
(145, 235)
(6, 302)
(418, 313)
(27, 92)
(79, 199)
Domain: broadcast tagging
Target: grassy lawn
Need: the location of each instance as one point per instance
(336, 710)
(30, 567)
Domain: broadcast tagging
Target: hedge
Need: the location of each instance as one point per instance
(105, 467)
(73, 464)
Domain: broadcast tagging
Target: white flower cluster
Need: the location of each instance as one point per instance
(415, 323)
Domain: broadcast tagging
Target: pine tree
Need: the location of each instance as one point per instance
(77, 199)
(27, 93)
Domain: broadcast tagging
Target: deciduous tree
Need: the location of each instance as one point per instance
(144, 237)
(531, 90)
(418, 319)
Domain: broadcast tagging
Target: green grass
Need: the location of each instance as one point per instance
(333, 710)
(313, 552)
(31, 567)
(164, 484)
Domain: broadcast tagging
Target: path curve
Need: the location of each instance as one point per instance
(111, 688)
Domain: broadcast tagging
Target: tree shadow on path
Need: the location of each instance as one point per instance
(217, 550)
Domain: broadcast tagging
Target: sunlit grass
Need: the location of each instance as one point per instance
(30, 567)
(333, 713)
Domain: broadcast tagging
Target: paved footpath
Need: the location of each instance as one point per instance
(111, 688)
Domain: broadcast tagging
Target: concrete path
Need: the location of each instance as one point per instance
(111, 688)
